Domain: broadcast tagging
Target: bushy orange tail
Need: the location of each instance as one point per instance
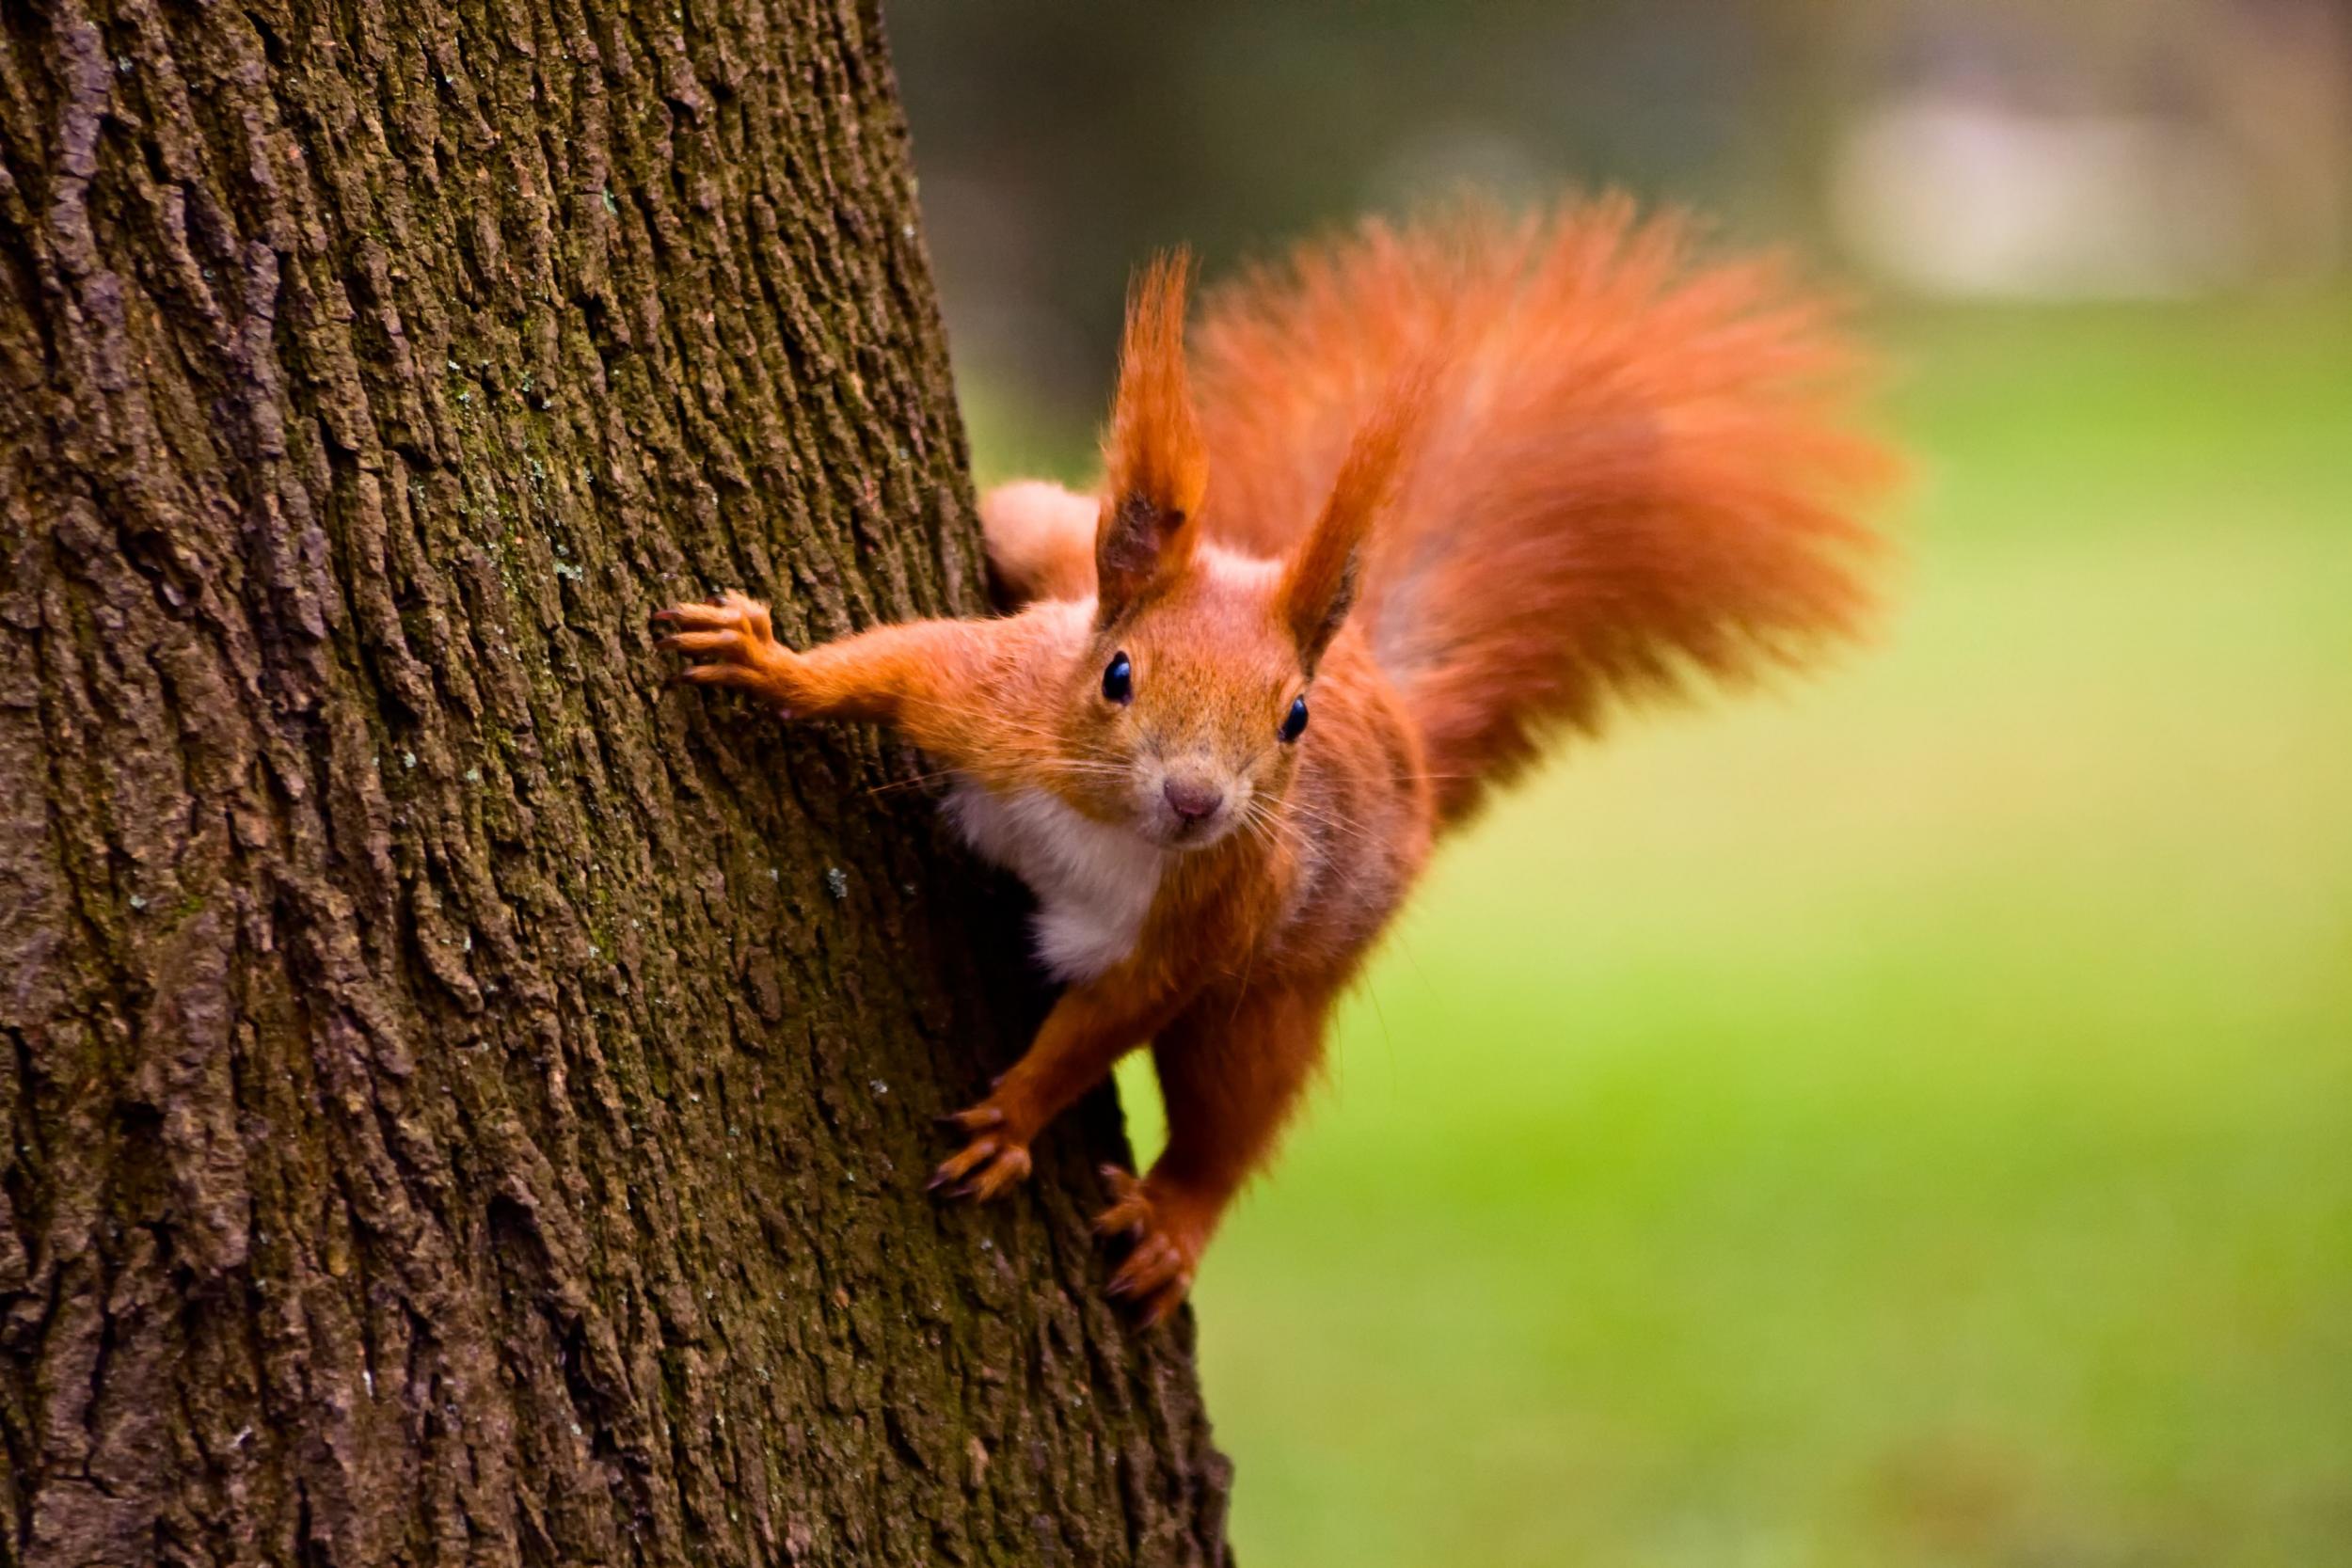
(1631, 471)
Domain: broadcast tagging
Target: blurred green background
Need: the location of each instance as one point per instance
(1906, 1119)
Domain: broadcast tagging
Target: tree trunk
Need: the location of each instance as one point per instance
(464, 1104)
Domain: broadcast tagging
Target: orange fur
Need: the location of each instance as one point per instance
(1319, 584)
(1548, 463)
(1154, 470)
(1640, 467)
(1041, 540)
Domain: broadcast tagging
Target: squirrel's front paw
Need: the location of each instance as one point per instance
(732, 642)
(1165, 1239)
(989, 1167)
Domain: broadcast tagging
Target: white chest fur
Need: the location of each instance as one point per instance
(1093, 883)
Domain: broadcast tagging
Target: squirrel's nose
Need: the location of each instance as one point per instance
(1192, 801)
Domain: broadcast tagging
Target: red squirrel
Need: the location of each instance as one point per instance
(1411, 503)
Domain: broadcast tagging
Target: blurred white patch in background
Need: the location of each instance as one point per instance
(1953, 196)
(2209, 152)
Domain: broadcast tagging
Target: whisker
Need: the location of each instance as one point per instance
(896, 784)
(1329, 819)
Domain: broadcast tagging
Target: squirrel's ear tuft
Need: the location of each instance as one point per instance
(1155, 471)
(1319, 584)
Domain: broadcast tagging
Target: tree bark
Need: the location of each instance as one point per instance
(464, 1104)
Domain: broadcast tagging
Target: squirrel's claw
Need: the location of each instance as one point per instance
(988, 1167)
(985, 1171)
(730, 610)
(732, 639)
(1130, 1211)
(1156, 1274)
(715, 674)
(723, 642)
(1154, 1278)
(972, 1119)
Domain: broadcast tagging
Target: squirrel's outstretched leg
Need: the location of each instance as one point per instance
(1230, 1076)
(932, 679)
(1041, 540)
(1081, 1041)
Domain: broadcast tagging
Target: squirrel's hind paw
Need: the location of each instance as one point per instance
(1164, 1246)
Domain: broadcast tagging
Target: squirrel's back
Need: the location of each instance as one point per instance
(1630, 470)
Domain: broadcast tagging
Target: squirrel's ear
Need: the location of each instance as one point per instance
(1319, 584)
(1155, 471)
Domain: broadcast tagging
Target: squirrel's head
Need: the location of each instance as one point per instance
(1191, 710)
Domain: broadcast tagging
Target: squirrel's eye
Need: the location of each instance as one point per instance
(1294, 722)
(1119, 679)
